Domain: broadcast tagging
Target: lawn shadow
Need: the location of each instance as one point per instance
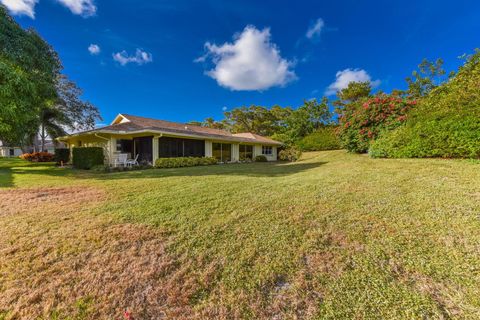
(10, 168)
(271, 169)
(6, 178)
(267, 169)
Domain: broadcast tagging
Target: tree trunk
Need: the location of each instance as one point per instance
(43, 138)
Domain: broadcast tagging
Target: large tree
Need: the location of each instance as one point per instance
(36, 98)
(29, 68)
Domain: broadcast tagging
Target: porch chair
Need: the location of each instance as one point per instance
(133, 162)
(121, 159)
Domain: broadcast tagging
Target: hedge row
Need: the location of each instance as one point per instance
(445, 124)
(87, 157)
(184, 162)
(62, 155)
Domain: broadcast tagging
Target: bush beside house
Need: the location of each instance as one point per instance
(184, 162)
(260, 158)
(62, 155)
(87, 157)
(290, 154)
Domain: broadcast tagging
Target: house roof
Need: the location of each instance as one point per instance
(126, 123)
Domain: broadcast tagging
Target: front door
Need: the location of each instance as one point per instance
(143, 147)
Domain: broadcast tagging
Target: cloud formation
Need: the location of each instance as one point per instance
(140, 57)
(21, 7)
(251, 62)
(344, 77)
(315, 29)
(94, 49)
(84, 8)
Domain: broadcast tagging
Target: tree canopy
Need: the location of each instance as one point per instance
(32, 88)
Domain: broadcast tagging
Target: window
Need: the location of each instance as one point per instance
(246, 152)
(79, 143)
(267, 150)
(12, 152)
(222, 151)
(176, 147)
(124, 146)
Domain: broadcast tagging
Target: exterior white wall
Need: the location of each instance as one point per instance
(235, 152)
(208, 148)
(155, 150)
(257, 150)
(5, 152)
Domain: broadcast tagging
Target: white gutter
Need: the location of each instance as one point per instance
(96, 135)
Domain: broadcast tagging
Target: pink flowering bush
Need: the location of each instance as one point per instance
(363, 121)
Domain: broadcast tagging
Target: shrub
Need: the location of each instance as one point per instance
(363, 121)
(87, 157)
(261, 158)
(184, 162)
(290, 154)
(445, 124)
(325, 138)
(38, 157)
(62, 155)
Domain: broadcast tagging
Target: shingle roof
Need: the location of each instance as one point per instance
(136, 123)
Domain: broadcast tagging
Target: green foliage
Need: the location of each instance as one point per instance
(363, 121)
(28, 72)
(33, 93)
(281, 123)
(428, 77)
(184, 162)
(324, 138)
(260, 158)
(446, 123)
(291, 154)
(355, 91)
(62, 155)
(38, 157)
(87, 157)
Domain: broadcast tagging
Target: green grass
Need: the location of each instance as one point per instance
(334, 235)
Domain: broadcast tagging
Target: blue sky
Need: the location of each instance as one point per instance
(188, 60)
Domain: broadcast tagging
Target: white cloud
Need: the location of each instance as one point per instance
(224, 109)
(21, 7)
(315, 29)
(85, 8)
(344, 77)
(94, 49)
(140, 57)
(251, 62)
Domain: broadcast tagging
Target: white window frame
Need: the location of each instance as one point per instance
(267, 150)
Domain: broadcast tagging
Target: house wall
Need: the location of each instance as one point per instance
(257, 150)
(208, 148)
(5, 152)
(109, 145)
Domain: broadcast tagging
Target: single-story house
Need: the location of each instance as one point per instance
(9, 151)
(151, 139)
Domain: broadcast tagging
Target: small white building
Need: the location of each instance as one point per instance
(7, 151)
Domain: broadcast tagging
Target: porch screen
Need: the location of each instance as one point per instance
(246, 152)
(177, 147)
(222, 151)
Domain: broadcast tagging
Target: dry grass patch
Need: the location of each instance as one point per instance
(22, 200)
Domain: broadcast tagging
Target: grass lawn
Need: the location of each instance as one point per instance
(332, 236)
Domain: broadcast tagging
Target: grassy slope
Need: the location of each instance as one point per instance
(334, 235)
